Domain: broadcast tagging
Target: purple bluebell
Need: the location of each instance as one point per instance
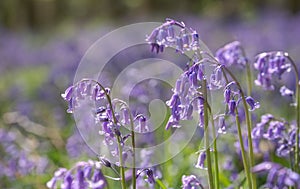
(141, 127)
(232, 106)
(227, 95)
(252, 103)
(201, 161)
(186, 41)
(216, 79)
(126, 116)
(150, 176)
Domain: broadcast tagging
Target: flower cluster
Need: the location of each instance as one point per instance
(186, 98)
(83, 175)
(16, 160)
(166, 36)
(232, 97)
(110, 114)
(278, 176)
(278, 132)
(268, 65)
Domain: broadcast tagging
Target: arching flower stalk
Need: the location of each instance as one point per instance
(106, 115)
(190, 91)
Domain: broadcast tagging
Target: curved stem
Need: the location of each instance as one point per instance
(248, 123)
(297, 111)
(248, 120)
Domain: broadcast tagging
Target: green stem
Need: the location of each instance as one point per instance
(133, 153)
(248, 120)
(246, 166)
(122, 172)
(216, 164)
(208, 155)
(297, 112)
(249, 81)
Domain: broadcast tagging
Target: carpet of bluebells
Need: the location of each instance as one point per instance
(249, 140)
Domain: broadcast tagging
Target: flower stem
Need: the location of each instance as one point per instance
(208, 155)
(246, 166)
(216, 164)
(248, 123)
(133, 153)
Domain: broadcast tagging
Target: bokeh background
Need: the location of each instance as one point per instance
(42, 42)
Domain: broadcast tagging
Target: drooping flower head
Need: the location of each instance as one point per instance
(232, 54)
(166, 35)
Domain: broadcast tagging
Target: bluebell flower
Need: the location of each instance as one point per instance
(201, 160)
(150, 177)
(252, 103)
(232, 105)
(142, 126)
(216, 79)
(165, 36)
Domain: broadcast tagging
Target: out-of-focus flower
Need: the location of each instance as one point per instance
(278, 176)
(269, 64)
(232, 54)
(83, 176)
(191, 182)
